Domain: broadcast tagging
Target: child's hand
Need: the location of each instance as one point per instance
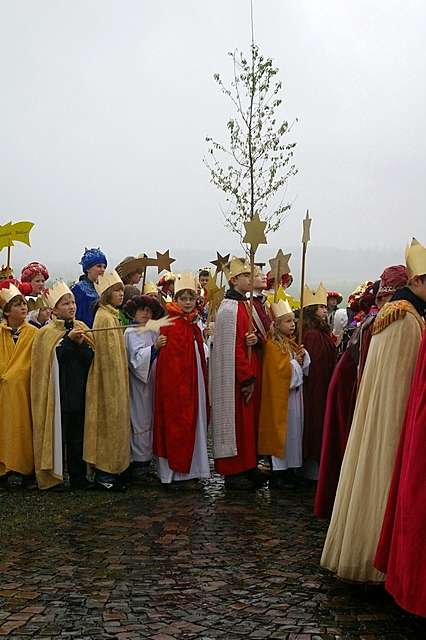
(247, 392)
(76, 335)
(300, 355)
(209, 330)
(251, 339)
(161, 342)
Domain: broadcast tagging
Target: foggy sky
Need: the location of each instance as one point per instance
(105, 105)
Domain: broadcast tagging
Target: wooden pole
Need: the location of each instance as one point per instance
(305, 239)
(276, 274)
(8, 256)
(302, 287)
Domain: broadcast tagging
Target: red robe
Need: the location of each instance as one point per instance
(245, 414)
(176, 392)
(401, 552)
(322, 351)
(339, 411)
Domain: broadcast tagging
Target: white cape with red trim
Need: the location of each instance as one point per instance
(222, 371)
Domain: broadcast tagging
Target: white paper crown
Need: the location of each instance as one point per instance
(185, 281)
(314, 296)
(6, 295)
(281, 308)
(150, 287)
(55, 293)
(235, 267)
(415, 259)
(107, 280)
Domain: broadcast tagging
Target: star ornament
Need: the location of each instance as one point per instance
(255, 232)
(164, 261)
(306, 229)
(279, 265)
(220, 262)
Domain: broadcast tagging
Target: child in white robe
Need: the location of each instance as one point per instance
(142, 350)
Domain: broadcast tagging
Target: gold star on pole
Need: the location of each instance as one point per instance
(164, 261)
(279, 264)
(255, 232)
(306, 228)
(279, 267)
(220, 262)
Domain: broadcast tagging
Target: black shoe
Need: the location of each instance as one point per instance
(82, 484)
(29, 482)
(111, 487)
(239, 482)
(282, 480)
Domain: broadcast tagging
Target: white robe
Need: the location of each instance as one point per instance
(294, 443)
(142, 385)
(200, 467)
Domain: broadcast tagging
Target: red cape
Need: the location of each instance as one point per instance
(176, 394)
(322, 351)
(245, 414)
(401, 552)
(339, 411)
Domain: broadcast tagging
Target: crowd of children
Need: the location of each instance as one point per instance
(102, 382)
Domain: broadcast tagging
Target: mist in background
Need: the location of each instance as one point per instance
(106, 105)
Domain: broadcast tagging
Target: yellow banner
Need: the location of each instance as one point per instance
(17, 232)
(6, 235)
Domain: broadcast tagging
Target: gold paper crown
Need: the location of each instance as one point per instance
(281, 308)
(6, 295)
(107, 280)
(55, 293)
(314, 296)
(235, 267)
(185, 281)
(149, 288)
(415, 259)
(5, 272)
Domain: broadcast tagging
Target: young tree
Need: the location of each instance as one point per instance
(254, 168)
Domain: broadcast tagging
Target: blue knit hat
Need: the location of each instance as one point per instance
(91, 257)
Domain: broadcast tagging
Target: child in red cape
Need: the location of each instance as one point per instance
(180, 421)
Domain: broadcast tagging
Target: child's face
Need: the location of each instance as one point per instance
(37, 284)
(143, 315)
(259, 281)
(65, 307)
(18, 311)
(285, 324)
(94, 272)
(204, 280)
(117, 295)
(242, 282)
(186, 300)
(321, 312)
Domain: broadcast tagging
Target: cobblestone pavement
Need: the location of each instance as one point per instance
(168, 565)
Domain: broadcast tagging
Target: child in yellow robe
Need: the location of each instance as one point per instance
(281, 413)
(107, 419)
(16, 339)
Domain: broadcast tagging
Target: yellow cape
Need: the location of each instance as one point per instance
(107, 422)
(16, 438)
(43, 400)
(276, 378)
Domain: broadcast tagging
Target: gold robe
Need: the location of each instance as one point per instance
(107, 421)
(16, 438)
(276, 379)
(367, 467)
(43, 400)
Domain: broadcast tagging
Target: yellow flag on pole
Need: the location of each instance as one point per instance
(21, 232)
(6, 233)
